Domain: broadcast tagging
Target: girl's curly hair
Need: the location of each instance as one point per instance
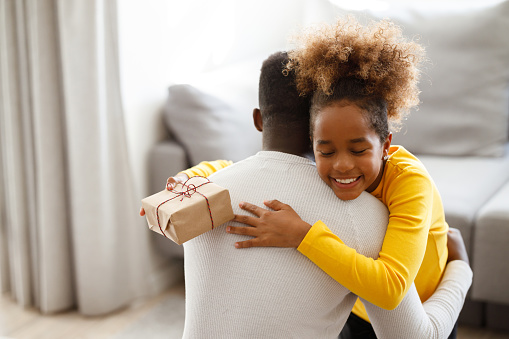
(376, 57)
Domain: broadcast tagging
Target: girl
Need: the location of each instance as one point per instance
(361, 78)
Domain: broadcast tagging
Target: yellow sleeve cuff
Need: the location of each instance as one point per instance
(313, 237)
(206, 168)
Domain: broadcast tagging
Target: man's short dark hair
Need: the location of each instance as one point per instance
(278, 97)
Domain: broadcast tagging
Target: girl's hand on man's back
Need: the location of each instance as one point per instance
(281, 227)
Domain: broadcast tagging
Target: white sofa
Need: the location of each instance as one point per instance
(460, 133)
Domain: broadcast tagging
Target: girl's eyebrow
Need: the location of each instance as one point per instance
(323, 142)
(358, 140)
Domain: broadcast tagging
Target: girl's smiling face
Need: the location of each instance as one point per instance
(348, 152)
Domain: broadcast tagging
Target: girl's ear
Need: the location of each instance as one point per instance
(387, 145)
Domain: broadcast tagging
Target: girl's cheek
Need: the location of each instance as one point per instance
(321, 167)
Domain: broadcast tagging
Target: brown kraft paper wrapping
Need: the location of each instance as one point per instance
(184, 213)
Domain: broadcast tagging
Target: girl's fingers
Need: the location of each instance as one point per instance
(276, 205)
(171, 183)
(250, 231)
(246, 244)
(245, 219)
(258, 211)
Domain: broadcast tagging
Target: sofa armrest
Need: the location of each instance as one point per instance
(490, 251)
(466, 184)
(165, 159)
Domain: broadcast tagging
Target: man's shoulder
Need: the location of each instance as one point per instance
(367, 199)
(245, 165)
(266, 161)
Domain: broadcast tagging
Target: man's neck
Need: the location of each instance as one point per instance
(295, 145)
(308, 155)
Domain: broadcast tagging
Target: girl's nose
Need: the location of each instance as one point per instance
(343, 164)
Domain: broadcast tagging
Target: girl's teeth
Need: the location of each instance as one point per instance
(346, 181)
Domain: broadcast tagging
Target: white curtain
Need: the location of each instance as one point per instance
(70, 235)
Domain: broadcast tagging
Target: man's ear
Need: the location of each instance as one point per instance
(257, 119)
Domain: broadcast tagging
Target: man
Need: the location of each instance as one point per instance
(277, 292)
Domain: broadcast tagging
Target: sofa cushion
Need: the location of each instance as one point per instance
(464, 99)
(466, 184)
(212, 118)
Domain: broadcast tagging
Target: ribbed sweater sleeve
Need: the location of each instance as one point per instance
(433, 319)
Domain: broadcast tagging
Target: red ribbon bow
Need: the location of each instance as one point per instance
(186, 192)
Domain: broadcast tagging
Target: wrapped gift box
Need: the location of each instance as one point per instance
(189, 210)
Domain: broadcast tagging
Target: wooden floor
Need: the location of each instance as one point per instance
(18, 323)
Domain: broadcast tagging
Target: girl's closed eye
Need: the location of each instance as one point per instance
(359, 152)
(326, 153)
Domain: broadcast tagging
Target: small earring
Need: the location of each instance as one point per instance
(385, 157)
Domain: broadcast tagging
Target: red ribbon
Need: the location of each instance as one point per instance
(186, 192)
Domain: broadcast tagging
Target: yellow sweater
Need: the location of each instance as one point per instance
(415, 244)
